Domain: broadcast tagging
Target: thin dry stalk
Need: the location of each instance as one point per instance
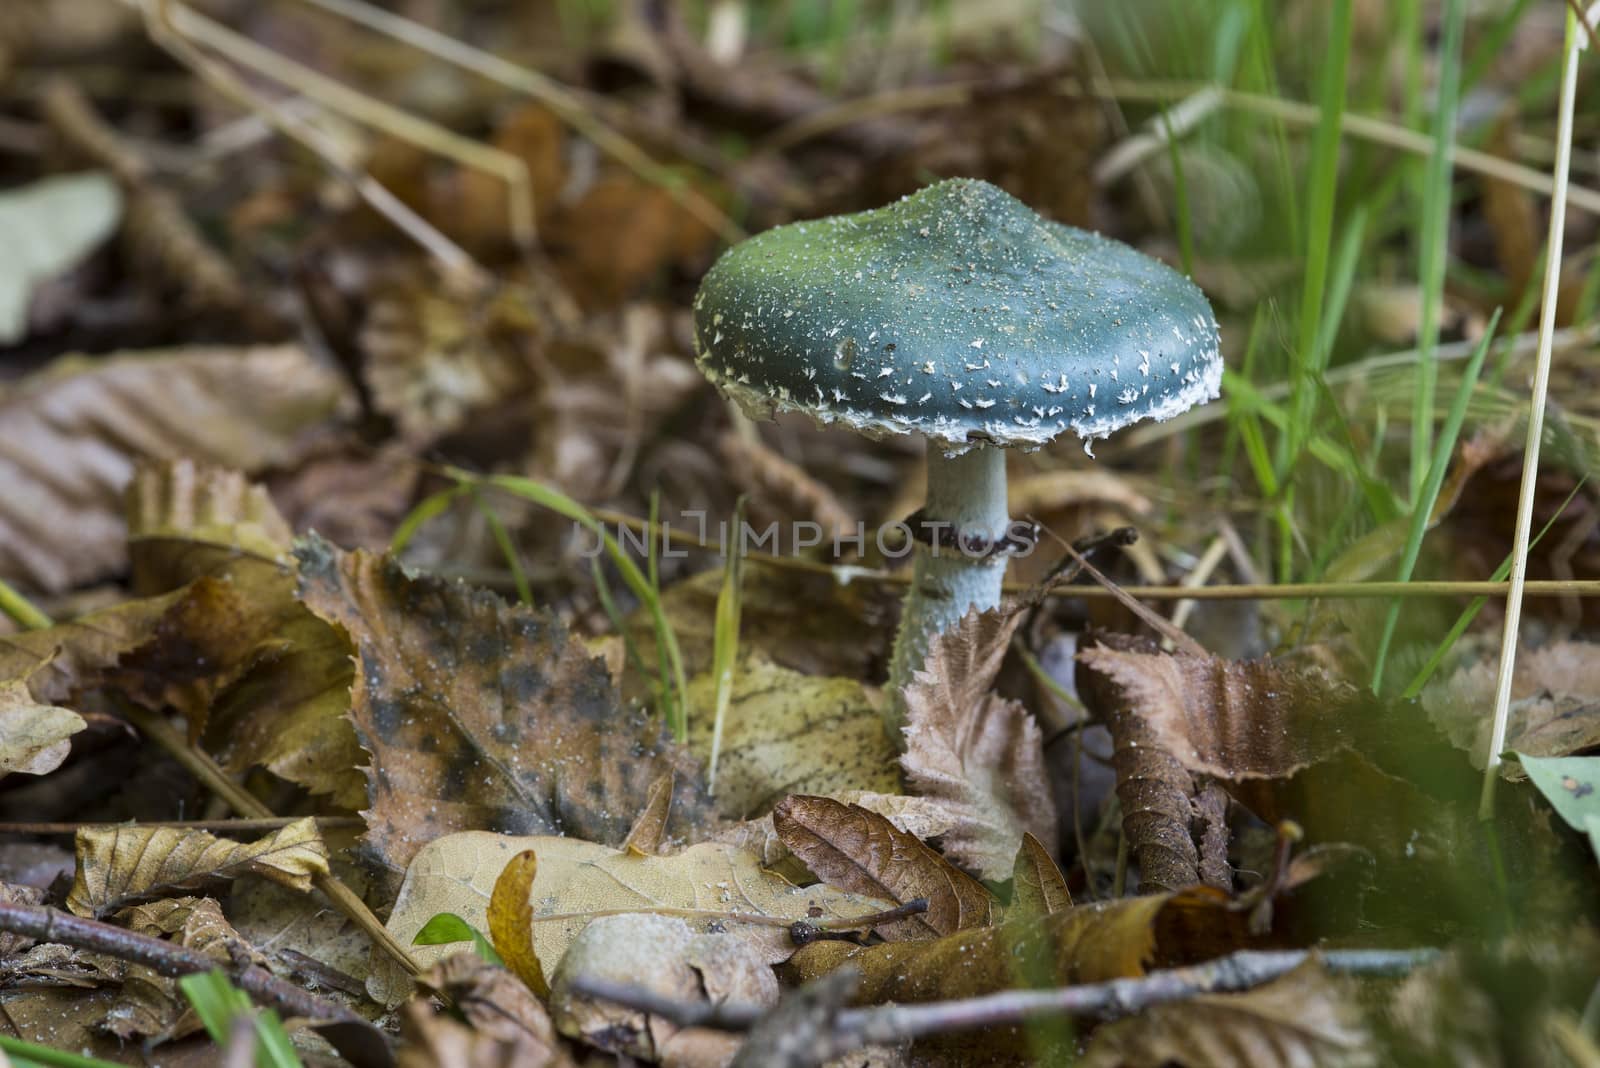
(160, 236)
(568, 105)
(360, 107)
(1367, 128)
(1541, 388)
(161, 22)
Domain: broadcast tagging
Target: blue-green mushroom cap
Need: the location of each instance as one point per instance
(957, 313)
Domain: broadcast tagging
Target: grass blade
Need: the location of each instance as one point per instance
(636, 581)
(27, 1054)
(1422, 508)
(502, 538)
(430, 507)
(1435, 241)
(725, 641)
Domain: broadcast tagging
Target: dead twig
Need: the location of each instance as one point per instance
(340, 1025)
(226, 826)
(853, 1028)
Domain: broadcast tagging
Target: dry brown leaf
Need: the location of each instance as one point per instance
(920, 817)
(432, 1039)
(1084, 944)
(12, 944)
(1037, 886)
(787, 733)
(296, 927)
(979, 754)
(124, 864)
(1047, 491)
(650, 827)
(60, 661)
(433, 359)
(623, 233)
(61, 523)
(506, 1025)
(264, 681)
(154, 1006)
(578, 879)
(188, 519)
(480, 715)
(1303, 1018)
(861, 851)
(34, 737)
(1555, 704)
(1230, 719)
(604, 387)
(1158, 794)
(663, 954)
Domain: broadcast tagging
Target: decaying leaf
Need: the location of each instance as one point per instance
(979, 754)
(1158, 794)
(154, 1006)
(1555, 704)
(188, 519)
(861, 851)
(1084, 944)
(578, 879)
(664, 955)
(34, 737)
(12, 944)
(57, 662)
(510, 918)
(788, 733)
(124, 864)
(920, 817)
(1037, 886)
(434, 358)
(61, 523)
(505, 1025)
(261, 679)
(1230, 719)
(650, 826)
(480, 715)
(1300, 1019)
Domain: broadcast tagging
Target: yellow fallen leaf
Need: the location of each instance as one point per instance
(578, 880)
(511, 920)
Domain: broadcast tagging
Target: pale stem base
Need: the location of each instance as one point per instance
(969, 492)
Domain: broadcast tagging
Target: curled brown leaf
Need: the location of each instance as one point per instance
(978, 754)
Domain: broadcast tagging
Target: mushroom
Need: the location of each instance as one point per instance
(960, 314)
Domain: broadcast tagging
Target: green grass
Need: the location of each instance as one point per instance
(671, 683)
(1423, 504)
(221, 1005)
(1436, 200)
(725, 641)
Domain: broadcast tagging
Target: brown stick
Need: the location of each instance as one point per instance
(168, 959)
(237, 826)
(854, 1028)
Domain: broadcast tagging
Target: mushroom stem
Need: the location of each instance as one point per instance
(967, 492)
